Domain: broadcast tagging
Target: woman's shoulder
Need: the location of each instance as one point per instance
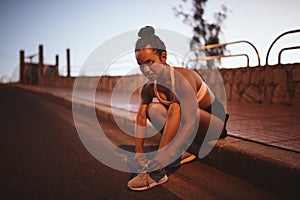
(190, 75)
(184, 70)
(147, 92)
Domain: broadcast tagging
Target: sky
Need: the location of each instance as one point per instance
(82, 26)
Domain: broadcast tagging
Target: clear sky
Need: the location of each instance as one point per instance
(84, 24)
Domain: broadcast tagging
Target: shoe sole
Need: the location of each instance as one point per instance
(184, 161)
(161, 181)
(188, 159)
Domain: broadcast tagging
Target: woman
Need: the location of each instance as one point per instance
(182, 112)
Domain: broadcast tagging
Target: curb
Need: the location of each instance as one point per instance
(269, 167)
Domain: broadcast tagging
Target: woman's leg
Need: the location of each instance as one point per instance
(209, 128)
(157, 114)
(168, 119)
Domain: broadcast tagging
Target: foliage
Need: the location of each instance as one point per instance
(205, 33)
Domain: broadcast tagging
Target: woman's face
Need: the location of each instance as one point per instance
(151, 65)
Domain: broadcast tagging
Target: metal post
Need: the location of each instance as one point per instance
(56, 65)
(68, 63)
(22, 64)
(41, 60)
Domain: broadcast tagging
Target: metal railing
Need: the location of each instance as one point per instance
(288, 48)
(211, 46)
(223, 56)
(285, 49)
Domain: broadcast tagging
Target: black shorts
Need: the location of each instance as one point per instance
(217, 109)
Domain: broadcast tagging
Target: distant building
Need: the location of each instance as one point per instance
(30, 73)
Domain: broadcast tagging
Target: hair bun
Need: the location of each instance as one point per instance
(146, 31)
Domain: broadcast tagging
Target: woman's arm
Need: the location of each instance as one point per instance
(141, 118)
(186, 94)
(141, 122)
(189, 119)
(187, 84)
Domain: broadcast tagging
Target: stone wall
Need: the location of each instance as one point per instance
(278, 84)
(105, 83)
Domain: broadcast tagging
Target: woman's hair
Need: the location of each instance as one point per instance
(148, 37)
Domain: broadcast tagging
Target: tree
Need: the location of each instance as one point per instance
(205, 33)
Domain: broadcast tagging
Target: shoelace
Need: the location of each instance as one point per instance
(143, 176)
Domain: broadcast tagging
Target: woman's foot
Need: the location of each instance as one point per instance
(145, 181)
(185, 158)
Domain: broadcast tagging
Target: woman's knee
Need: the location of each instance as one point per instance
(174, 109)
(156, 109)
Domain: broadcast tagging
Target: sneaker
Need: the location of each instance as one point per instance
(145, 181)
(185, 158)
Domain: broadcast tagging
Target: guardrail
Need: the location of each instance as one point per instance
(211, 46)
(284, 49)
(224, 56)
(288, 48)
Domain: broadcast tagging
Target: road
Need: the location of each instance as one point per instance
(42, 157)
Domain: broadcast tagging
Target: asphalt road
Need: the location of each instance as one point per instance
(42, 157)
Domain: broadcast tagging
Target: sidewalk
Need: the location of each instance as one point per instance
(263, 144)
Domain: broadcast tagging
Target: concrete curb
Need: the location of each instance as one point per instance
(273, 168)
